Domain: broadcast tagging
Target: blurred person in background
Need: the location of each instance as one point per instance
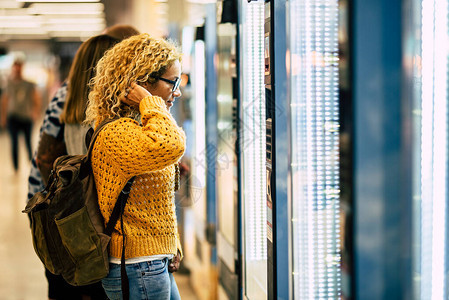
(20, 107)
(136, 83)
(70, 102)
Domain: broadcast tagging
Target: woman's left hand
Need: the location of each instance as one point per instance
(174, 263)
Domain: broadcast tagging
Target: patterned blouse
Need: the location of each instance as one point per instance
(53, 127)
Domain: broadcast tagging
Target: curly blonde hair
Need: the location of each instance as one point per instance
(140, 58)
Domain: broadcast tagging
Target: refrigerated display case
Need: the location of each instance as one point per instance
(428, 53)
(202, 275)
(228, 234)
(252, 150)
(315, 153)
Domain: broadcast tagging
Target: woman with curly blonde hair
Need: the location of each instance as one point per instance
(136, 83)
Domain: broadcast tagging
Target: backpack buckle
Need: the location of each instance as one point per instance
(127, 188)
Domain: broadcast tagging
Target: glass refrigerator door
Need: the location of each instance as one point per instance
(226, 172)
(253, 149)
(316, 214)
(430, 67)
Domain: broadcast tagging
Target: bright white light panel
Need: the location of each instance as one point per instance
(199, 114)
(60, 19)
(315, 149)
(253, 133)
(434, 152)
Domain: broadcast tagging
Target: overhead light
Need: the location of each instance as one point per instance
(20, 21)
(73, 34)
(22, 31)
(70, 19)
(66, 8)
(74, 13)
(72, 27)
(22, 18)
(13, 11)
(27, 24)
(54, 1)
(7, 37)
(80, 16)
(77, 21)
(9, 4)
(201, 1)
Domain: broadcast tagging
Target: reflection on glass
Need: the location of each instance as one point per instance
(198, 108)
(226, 160)
(433, 151)
(315, 149)
(253, 150)
(346, 169)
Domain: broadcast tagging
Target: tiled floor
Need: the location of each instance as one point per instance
(21, 272)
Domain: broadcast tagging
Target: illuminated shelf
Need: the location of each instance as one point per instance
(315, 149)
(253, 149)
(432, 220)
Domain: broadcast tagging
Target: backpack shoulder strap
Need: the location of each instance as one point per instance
(91, 135)
(119, 206)
(90, 138)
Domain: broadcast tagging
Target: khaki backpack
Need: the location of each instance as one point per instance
(67, 227)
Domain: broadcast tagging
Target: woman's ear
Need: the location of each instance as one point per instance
(143, 84)
(146, 85)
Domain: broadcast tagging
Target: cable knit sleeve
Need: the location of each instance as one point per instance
(136, 149)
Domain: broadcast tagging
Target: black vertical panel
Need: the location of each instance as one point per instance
(278, 159)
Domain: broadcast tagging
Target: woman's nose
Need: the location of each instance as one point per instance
(177, 93)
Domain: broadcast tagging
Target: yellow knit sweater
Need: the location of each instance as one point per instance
(124, 149)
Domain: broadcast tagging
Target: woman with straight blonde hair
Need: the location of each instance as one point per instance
(136, 83)
(81, 72)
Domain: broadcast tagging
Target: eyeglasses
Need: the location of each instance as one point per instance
(176, 83)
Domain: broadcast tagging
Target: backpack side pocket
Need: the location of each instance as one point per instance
(43, 243)
(85, 246)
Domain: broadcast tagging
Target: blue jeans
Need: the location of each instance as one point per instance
(147, 280)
